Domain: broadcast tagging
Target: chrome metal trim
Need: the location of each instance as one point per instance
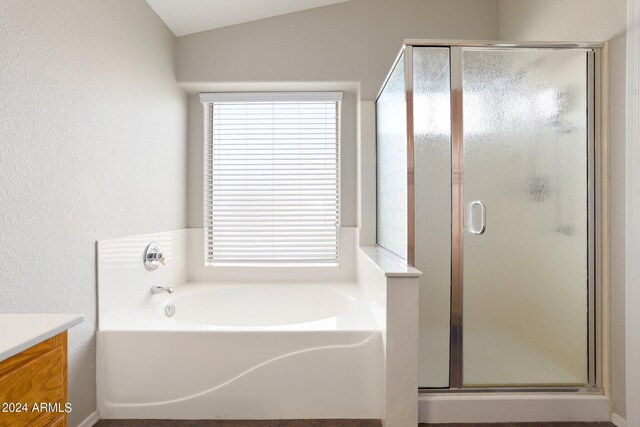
(391, 70)
(170, 310)
(591, 224)
(502, 44)
(483, 218)
(481, 44)
(457, 219)
(587, 390)
(411, 206)
(153, 257)
(457, 222)
(601, 215)
(161, 290)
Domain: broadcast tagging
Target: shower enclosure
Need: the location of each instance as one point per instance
(486, 161)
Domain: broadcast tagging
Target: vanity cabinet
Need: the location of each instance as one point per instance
(33, 385)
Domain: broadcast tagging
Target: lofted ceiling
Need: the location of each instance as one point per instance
(191, 16)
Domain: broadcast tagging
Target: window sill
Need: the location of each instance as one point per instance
(272, 265)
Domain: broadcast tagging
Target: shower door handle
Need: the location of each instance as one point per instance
(483, 217)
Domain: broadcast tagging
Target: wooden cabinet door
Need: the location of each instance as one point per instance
(37, 375)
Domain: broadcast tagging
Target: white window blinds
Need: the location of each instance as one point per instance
(271, 193)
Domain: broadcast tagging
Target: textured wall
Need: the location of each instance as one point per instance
(92, 146)
(591, 20)
(353, 41)
(356, 41)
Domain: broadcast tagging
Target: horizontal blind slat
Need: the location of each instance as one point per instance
(271, 181)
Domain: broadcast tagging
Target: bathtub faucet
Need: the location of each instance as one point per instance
(161, 289)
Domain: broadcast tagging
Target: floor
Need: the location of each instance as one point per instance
(313, 423)
(237, 423)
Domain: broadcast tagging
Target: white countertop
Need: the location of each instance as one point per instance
(21, 331)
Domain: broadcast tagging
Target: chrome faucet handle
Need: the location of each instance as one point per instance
(161, 289)
(156, 256)
(153, 257)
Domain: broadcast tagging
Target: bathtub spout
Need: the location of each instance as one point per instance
(161, 289)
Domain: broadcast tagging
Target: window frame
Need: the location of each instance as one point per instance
(208, 100)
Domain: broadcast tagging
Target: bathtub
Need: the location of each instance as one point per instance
(243, 351)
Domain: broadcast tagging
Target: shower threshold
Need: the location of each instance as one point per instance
(592, 390)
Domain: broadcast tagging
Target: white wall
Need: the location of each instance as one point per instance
(92, 146)
(591, 20)
(367, 199)
(355, 41)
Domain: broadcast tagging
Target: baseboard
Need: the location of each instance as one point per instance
(499, 407)
(618, 420)
(90, 420)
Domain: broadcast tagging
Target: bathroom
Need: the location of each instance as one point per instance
(153, 310)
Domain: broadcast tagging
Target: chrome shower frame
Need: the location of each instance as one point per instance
(595, 208)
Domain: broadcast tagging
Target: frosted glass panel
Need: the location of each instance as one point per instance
(432, 157)
(525, 157)
(391, 124)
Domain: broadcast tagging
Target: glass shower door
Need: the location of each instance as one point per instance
(525, 263)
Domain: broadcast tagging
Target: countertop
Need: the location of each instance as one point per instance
(21, 331)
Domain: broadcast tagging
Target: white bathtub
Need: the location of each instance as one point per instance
(253, 351)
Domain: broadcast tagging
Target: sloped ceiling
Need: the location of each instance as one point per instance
(191, 16)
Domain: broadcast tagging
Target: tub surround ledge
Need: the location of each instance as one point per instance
(27, 330)
(388, 275)
(389, 263)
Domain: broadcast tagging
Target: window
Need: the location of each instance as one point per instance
(271, 193)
